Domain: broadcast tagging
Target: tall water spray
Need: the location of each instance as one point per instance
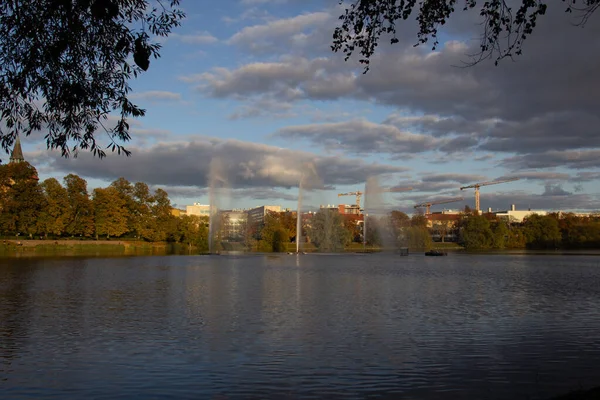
(299, 215)
(309, 180)
(374, 206)
(216, 184)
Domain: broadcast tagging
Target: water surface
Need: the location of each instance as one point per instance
(313, 326)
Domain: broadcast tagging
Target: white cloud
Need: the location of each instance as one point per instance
(156, 95)
(196, 38)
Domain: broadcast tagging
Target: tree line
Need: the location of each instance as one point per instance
(330, 231)
(126, 210)
(551, 231)
(50, 209)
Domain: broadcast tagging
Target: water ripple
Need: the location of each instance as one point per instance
(376, 326)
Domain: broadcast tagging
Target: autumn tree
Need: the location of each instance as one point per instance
(56, 213)
(140, 212)
(125, 191)
(66, 65)
(354, 229)
(273, 235)
(418, 220)
(163, 223)
(399, 220)
(81, 212)
(22, 198)
(110, 220)
(193, 231)
(506, 25)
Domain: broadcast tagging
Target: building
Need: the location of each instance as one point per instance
(198, 209)
(17, 154)
(176, 212)
(350, 209)
(517, 216)
(256, 216)
(330, 207)
(234, 223)
(443, 225)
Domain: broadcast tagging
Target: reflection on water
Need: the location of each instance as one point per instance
(312, 326)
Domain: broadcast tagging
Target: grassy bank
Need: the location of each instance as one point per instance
(86, 247)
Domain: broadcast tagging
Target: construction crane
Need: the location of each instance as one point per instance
(476, 186)
(428, 204)
(359, 194)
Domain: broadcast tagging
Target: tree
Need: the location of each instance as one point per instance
(65, 65)
(81, 215)
(353, 228)
(500, 234)
(56, 212)
(140, 213)
(327, 231)
(109, 207)
(22, 198)
(399, 220)
(417, 238)
(504, 28)
(476, 232)
(274, 235)
(418, 220)
(541, 231)
(126, 192)
(443, 228)
(193, 231)
(163, 224)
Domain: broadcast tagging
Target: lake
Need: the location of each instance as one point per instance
(308, 326)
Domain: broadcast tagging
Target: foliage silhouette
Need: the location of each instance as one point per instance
(505, 28)
(66, 65)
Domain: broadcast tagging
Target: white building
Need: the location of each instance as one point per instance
(198, 209)
(518, 216)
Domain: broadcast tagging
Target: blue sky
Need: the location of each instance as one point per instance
(254, 84)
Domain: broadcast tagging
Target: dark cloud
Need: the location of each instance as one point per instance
(450, 177)
(539, 176)
(263, 194)
(360, 137)
(543, 101)
(555, 190)
(242, 165)
(573, 159)
(586, 176)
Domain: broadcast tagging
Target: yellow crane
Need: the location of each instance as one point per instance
(428, 204)
(359, 194)
(476, 186)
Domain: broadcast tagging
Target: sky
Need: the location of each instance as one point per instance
(252, 86)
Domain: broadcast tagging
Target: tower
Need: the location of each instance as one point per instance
(17, 154)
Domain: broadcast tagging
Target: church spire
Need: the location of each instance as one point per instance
(17, 154)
